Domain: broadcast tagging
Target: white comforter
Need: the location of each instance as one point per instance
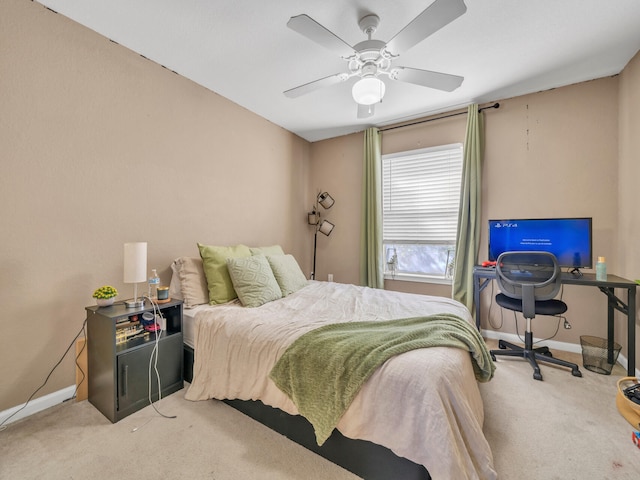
(423, 405)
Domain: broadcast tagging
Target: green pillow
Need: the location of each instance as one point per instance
(214, 262)
(288, 273)
(271, 250)
(253, 280)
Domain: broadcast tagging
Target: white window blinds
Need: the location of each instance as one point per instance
(421, 195)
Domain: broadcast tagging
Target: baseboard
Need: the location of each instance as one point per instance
(553, 344)
(37, 405)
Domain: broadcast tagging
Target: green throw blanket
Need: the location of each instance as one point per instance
(323, 370)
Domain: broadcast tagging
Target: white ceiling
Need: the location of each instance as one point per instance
(243, 50)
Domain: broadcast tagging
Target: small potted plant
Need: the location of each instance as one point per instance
(105, 295)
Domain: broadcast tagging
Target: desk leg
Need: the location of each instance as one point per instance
(610, 325)
(478, 286)
(631, 331)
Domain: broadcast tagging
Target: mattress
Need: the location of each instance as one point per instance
(188, 324)
(423, 405)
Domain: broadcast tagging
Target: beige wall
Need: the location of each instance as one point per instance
(101, 147)
(628, 250)
(553, 153)
(629, 170)
(337, 169)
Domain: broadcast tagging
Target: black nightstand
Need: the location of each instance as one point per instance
(119, 360)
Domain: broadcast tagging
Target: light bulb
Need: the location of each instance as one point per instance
(368, 90)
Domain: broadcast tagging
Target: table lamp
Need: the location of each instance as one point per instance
(135, 270)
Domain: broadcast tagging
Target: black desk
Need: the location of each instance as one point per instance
(483, 275)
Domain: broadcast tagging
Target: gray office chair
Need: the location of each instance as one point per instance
(529, 283)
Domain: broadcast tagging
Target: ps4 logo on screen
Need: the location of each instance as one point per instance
(506, 225)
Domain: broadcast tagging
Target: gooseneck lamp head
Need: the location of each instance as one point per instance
(313, 217)
(326, 227)
(325, 200)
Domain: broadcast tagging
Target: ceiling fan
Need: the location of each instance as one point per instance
(372, 58)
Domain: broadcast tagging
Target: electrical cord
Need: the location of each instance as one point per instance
(82, 330)
(559, 317)
(84, 376)
(153, 360)
(498, 327)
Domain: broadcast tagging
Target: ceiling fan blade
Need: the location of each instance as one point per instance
(436, 16)
(426, 78)
(366, 111)
(308, 27)
(315, 85)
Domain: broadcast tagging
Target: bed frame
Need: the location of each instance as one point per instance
(365, 459)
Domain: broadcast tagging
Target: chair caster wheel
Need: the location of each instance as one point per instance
(537, 376)
(576, 373)
(548, 354)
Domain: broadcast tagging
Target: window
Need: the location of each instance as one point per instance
(420, 203)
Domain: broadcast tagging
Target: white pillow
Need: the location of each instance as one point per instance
(188, 277)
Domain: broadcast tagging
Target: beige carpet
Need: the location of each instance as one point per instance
(562, 428)
(208, 440)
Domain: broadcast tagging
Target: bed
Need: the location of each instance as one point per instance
(419, 413)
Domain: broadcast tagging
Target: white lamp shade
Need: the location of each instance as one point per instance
(368, 90)
(326, 227)
(326, 200)
(135, 262)
(313, 217)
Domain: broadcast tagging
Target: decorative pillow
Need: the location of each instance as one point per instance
(175, 288)
(288, 273)
(253, 280)
(214, 262)
(272, 250)
(190, 282)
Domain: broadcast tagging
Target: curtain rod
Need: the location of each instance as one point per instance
(495, 105)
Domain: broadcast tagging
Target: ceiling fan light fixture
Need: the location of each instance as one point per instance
(368, 90)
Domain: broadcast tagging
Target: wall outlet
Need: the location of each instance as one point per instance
(330, 277)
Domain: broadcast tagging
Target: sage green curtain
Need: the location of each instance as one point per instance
(371, 267)
(469, 217)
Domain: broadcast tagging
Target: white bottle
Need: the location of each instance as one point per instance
(162, 322)
(601, 270)
(154, 283)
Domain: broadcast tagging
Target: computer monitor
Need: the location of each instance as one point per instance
(569, 239)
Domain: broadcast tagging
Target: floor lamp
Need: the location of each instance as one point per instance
(323, 226)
